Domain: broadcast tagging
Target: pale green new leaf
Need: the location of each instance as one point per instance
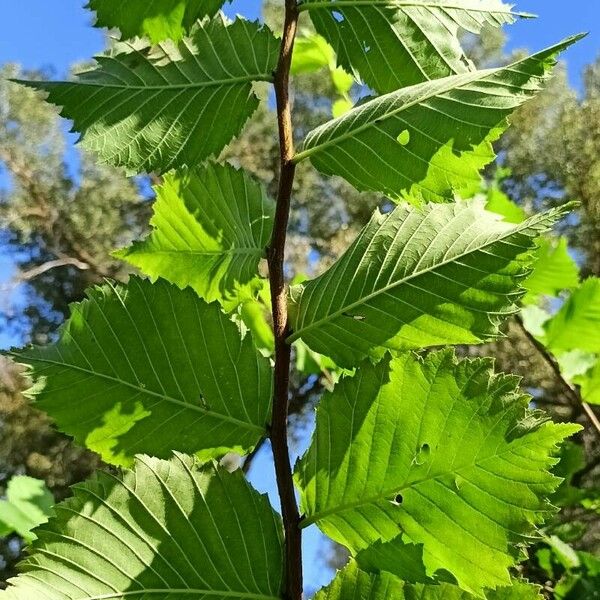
(154, 108)
(156, 19)
(554, 271)
(417, 277)
(576, 326)
(166, 529)
(211, 226)
(149, 368)
(444, 453)
(311, 54)
(394, 43)
(589, 383)
(354, 583)
(429, 141)
(28, 503)
(497, 201)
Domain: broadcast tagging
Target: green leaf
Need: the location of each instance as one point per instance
(149, 368)
(311, 54)
(28, 503)
(555, 270)
(154, 108)
(450, 124)
(590, 384)
(396, 557)
(498, 202)
(167, 529)
(576, 326)
(534, 319)
(417, 277)
(341, 107)
(211, 226)
(444, 453)
(395, 43)
(354, 583)
(158, 20)
(256, 317)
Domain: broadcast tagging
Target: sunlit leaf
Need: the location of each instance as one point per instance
(166, 529)
(149, 368)
(417, 277)
(444, 453)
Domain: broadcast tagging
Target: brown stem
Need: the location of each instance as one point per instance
(276, 257)
(572, 394)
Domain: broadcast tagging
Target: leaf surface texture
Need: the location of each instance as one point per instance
(351, 582)
(417, 277)
(156, 19)
(153, 108)
(429, 141)
(149, 368)
(211, 226)
(444, 453)
(391, 44)
(166, 529)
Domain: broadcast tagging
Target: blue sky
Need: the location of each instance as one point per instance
(56, 34)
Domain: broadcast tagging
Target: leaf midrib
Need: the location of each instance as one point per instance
(199, 592)
(259, 252)
(509, 233)
(142, 390)
(465, 79)
(179, 86)
(324, 4)
(387, 494)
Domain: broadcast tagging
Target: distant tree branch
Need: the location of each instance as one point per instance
(571, 392)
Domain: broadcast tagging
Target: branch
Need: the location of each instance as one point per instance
(571, 392)
(34, 272)
(276, 257)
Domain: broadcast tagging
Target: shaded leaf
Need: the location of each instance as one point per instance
(417, 277)
(151, 368)
(395, 43)
(167, 529)
(154, 108)
(444, 452)
(354, 583)
(157, 19)
(403, 560)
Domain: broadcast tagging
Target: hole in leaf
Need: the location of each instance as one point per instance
(338, 16)
(404, 137)
(355, 317)
(423, 455)
(397, 500)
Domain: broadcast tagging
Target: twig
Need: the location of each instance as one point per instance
(34, 272)
(571, 392)
(275, 257)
